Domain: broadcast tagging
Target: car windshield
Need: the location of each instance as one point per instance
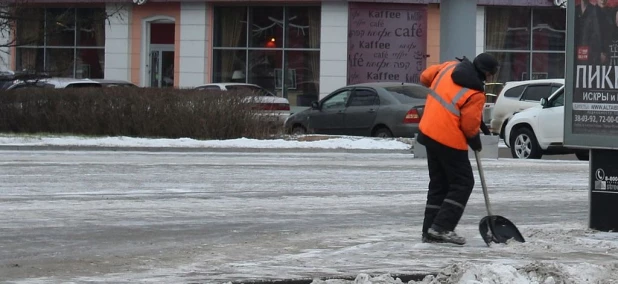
(5, 84)
(253, 89)
(83, 85)
(408, 94)
(23, 86)
(117, 85)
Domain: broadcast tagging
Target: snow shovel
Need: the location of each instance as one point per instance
(495, 228)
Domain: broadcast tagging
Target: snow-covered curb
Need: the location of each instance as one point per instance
(501, 144)
(307, 142)
(321, 142)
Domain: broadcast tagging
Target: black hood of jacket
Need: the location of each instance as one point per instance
(467, 76)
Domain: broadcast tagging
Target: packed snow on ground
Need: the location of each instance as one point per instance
(319, 142)
(562, 244)
(552, 254)
(558, 253)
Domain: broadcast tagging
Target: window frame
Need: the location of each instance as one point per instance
(334, 94)
(530, 51)
(555, 87)
(512, 89)
(376, 97)
(75, 47)
(247, 48)
(552, 103)
(523, 94)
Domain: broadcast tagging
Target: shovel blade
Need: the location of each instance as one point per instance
(500, 231)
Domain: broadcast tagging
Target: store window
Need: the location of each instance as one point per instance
(63, 42)
(276, 47)
(528, 42)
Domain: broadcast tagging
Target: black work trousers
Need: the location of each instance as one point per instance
(450, 184)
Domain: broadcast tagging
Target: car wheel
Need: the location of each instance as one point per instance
(299, 130)
(582, 155)
(524, 144)
(383, 132)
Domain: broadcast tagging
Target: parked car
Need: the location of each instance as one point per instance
(539, 130)
(517, 96)
(114, 83)
(9, 78)
(54, 82)
(386, 109)
(276, 108)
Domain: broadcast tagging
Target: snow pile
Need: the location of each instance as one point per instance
(560, 253)
(122, 141)
(533, 273)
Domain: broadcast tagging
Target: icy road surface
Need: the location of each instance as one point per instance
(216, 217)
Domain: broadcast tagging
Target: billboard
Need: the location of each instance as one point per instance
(591, 105)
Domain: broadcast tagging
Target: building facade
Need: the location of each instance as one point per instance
(301, 50)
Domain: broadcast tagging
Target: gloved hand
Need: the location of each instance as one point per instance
(475, 143)
(485, 129)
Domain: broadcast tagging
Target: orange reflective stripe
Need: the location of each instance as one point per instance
(442, 73)
(452, 106)
(459, 95)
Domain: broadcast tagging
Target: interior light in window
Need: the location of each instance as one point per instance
(271, 43)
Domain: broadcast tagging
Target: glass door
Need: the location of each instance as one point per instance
(161, 66)
(155, 62)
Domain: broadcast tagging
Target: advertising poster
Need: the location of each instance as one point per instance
(386, 42)
(595, 90)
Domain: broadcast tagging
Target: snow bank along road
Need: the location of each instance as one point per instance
(214, 217)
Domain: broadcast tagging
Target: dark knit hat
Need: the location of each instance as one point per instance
(485, 62)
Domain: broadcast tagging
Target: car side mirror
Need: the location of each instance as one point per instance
(544, 102)
(315, 105)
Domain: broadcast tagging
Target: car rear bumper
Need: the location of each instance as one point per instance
(278, 118)
(405, 130)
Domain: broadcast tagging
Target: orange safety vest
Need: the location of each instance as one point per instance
(441, 119)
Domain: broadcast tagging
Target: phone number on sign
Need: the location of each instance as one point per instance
(596, 118)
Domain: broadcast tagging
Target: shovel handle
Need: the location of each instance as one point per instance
(483, 185)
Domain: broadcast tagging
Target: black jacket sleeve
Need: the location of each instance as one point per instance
(484, 128)
(475, 143)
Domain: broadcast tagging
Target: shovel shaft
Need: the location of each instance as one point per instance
(483, 185)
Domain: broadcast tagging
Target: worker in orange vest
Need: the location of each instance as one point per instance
(450, 123)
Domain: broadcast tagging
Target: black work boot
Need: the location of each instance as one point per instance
(430, 240)
(446, 236)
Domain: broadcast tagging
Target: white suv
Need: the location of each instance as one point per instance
(539, 130)
(517, 96)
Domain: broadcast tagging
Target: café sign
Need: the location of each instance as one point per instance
(560, 3)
